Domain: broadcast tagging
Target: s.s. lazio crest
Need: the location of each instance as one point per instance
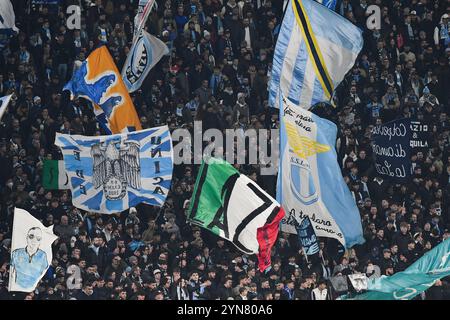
(300, 148)
(140, 57)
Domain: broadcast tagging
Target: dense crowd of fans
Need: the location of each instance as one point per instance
(217, 73)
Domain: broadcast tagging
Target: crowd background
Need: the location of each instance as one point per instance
(217, 73)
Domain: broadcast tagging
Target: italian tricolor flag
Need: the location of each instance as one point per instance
(235, 208)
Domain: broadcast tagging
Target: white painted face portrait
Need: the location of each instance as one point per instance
(31, 251)
(34, 238)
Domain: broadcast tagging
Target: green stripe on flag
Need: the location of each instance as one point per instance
(207, 197)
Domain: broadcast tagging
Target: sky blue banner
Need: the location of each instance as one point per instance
(316, 47)
(109, 174)
(391, 146)
(405, 285)
(310, 182)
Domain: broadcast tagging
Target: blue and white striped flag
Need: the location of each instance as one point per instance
(315, 49)
(110, 174)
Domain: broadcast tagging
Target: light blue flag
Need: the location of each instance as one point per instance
(316, 47)
(143, 56)
(420, 276)
(310, 183)
(110, 174)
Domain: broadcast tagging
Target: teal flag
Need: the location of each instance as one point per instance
(420, 276)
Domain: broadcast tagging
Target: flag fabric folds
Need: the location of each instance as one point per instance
(4, 102)
(330, 4)
(307, 237)
(310, 182)
(405, 285)
(391, 146)
(143, 56)
(144, 10)
(99, 81)
(31, 251)
(315, 49)
(110, 174)
(54, 175)
(235, 208)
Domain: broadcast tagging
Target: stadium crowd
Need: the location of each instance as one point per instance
(217, 73)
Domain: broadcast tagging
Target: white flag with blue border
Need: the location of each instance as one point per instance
(109, 174)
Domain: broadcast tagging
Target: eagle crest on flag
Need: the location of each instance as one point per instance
(115, 167)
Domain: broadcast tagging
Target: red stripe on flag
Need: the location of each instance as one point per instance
(267, 235)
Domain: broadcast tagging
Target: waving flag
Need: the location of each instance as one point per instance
(330, 4)
(307, 237)
(110, 174)
(315, 49)
(4, 102)
(54, 175)
(143, 56)
(235, 208)
(144, 9)
(405, 285)
(31, 251)
(99, 81)
(310, 183)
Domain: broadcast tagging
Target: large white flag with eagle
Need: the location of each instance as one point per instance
(110, 174)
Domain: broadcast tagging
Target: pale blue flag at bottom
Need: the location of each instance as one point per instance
(420, 276)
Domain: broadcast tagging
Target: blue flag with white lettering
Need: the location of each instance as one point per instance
(109, 174)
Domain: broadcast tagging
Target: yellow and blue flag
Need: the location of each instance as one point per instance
(310, 183)
(316, 47)
(99, 81)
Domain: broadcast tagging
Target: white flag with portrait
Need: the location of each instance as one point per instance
(31, 251)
